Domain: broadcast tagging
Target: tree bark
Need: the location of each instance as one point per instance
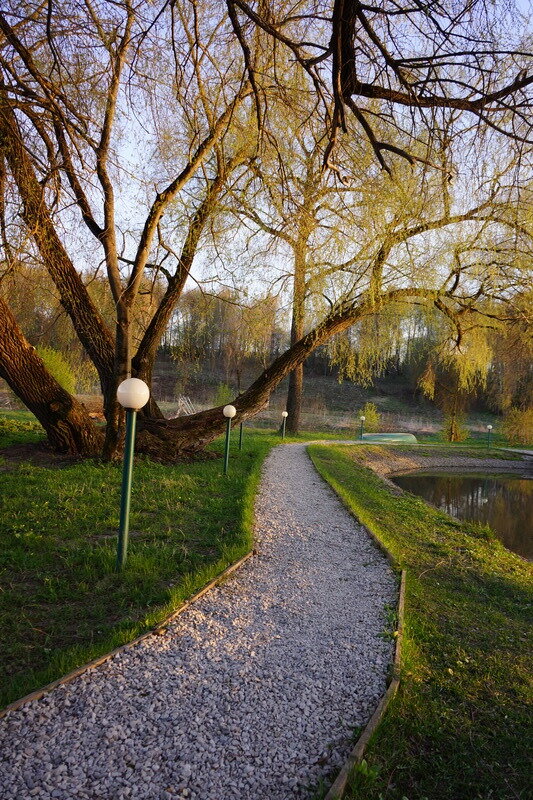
(294, 399)
(88, 323)
(65, 420)
(296, 378)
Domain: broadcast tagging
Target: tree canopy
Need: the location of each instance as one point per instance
(144, 142)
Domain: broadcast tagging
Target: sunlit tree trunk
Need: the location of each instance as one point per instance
(296, 377)
(66, 421)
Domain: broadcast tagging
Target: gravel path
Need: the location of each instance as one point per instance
(252, 693)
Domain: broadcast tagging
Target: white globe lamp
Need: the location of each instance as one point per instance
(229, 412)
(132, 394)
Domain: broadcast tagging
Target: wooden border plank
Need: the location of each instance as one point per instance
(340, 784)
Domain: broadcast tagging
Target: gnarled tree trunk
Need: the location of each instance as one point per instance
(65, 420)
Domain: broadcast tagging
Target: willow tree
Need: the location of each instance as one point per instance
(73, 80)
(302, 218)
(87, 91)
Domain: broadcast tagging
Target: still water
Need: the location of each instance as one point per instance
(503, 502)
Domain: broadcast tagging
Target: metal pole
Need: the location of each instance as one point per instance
(125, 494)
(361, 433)
(283, 427)
(488, 437)
(226, 448)
(240, 436)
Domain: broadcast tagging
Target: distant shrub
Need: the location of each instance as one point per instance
(224, 394)
(517, 426)
(372, 417)
(58, 367)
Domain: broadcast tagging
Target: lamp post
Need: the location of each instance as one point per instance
(132, 394)
(229, 412)
(489, 429)
(362, 426)
(284, 414)
(240, 436)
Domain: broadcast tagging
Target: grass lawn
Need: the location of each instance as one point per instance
(459, 726)
(467, 449)
(19, 427)
(477, 439)
(61, 603)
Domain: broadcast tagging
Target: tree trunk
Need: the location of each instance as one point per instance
(87, 321)
(296, 378)
(65, 420)
(185, 436)
(70, 428)
(294, 399)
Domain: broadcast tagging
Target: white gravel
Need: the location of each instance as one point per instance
(253, 692)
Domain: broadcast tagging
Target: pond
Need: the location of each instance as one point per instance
(505, 502)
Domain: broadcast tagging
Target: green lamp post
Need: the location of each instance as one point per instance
(229, 412)
(132, 394)
(362, 418)
(284, 414)
(489, 431)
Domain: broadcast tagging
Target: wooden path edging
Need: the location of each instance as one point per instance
(338, 788)
(70, 676)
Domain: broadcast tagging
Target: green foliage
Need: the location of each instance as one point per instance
(224, 395)
(58, 367)
(372, 417)
(187, 372)
(13, 425)
(85, 374)
(369, 347)
(459, 724)
(518, 426)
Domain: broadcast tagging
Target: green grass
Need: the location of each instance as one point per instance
(477, 439)
(61, 603)
(459, 450)
(459, 726)
(19, 427)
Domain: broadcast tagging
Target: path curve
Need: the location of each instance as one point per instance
(253, 692)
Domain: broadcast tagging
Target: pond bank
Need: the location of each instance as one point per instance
(460, 722)
(387, 461)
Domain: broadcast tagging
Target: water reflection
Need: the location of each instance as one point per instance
(503, 502)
